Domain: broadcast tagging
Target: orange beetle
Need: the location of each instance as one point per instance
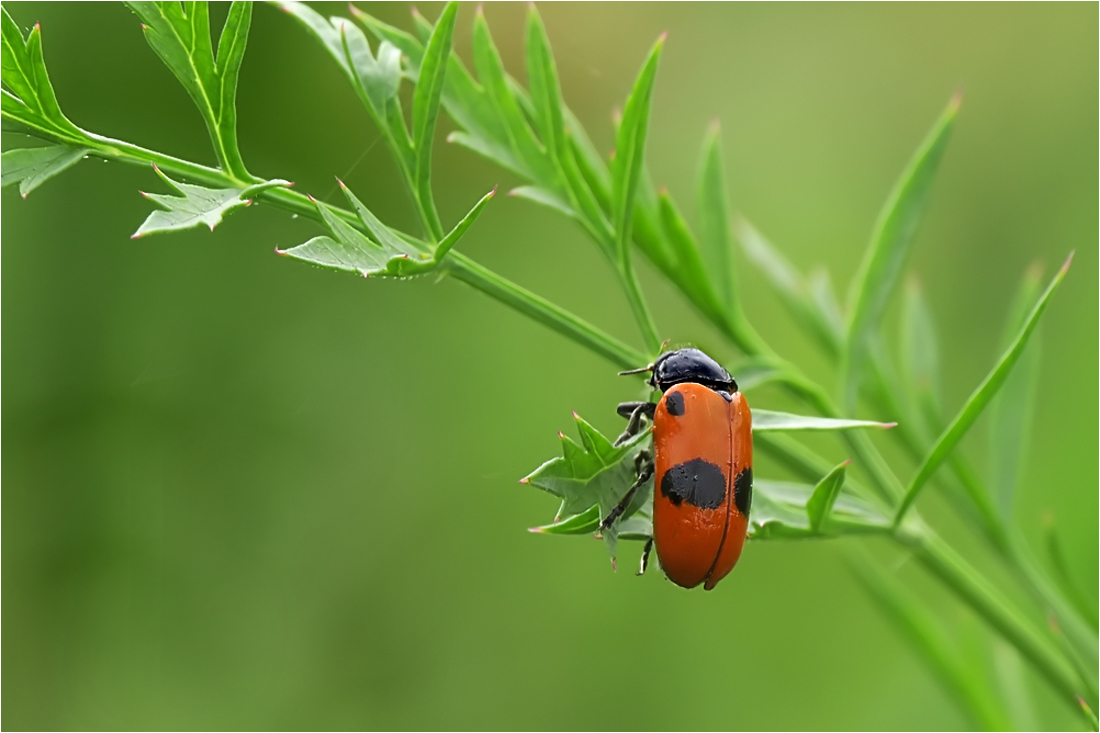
(702, 437)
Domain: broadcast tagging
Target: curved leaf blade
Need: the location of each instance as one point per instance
(824, 496)
(715, 237)
(426, 100)
(31, 105)
(979, 399)
(890, 245)
(768, 420)
(196, 205)
(31, 167)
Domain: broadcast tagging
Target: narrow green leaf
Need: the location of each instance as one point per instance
(584, 523)
(456, 234)
(979, 399)
(763, 420)
(196, 205)
(1011, 411)
(180, 35)
(824, 297)
(30, 106)
(31, 167)
(824, 496)
(490, 71)
(920, 360)
(688, 258)
(546, 198)
(793, 290)
(426, 99)
(780, 510)
(630, 150)
(926, 635)
(714, 221)
(890, 245)
(542, 79)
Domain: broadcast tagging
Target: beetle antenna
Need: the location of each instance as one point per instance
(637, 371)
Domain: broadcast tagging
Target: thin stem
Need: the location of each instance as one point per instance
(980, 595)
(456, 264)
(641, 311)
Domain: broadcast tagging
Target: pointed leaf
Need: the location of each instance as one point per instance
(30, 106)
(467, 221)
(546, 198)
(791, 287)
(763, 420)
(688, 257)
(979, 399)
(387, 255)
(179, 33)
(31, 167)
(490, 71)
(714, 217)
(542, 79)
(890, 245)
(584, 523)
(595, 473)
(824, 496)
(1063, 577)
(630, 149)
(780, 510)
(1011, 412)
(196, 205)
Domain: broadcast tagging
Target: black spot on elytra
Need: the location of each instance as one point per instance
(742, 491)
(674, 403)
(697, 482)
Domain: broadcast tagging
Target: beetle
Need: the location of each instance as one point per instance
(702, 467)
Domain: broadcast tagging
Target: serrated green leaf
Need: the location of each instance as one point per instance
(1011, 411)
(792, 288)
(977, 401)
(715, 238)
(594, 474)
(179, 33)
(926, 635)
(30, 106)
(196, 205)
(890, 246)
(780, 510)
(630, 150)
(767, 420)
(31, 167)
(824, 496)
(920, 360)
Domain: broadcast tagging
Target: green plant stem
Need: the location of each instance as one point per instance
(987, 601)
(457, 265)
(641, 311)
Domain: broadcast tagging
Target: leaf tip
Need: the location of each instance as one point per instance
(536, 530)
(280, 252)
(1068, 262)
(525, 480)
(887, 425)
(957, 99)
(847, 462)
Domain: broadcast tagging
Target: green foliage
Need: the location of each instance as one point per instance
(531, 132)
(196, 205)
(890, 245)
(179, 33)
(31, 167)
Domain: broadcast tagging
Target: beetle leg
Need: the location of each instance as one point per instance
(643, 465)
(645, 556)
(635, 412)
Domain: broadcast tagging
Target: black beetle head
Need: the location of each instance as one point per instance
(689, 365)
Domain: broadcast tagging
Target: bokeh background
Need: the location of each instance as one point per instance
(240, 492)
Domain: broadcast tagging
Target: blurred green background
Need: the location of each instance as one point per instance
(240, 492)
